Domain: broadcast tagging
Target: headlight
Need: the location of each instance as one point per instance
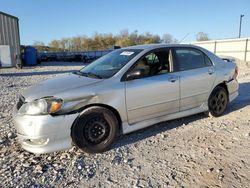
(41, 106)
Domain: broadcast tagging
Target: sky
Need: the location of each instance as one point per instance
(45, 20)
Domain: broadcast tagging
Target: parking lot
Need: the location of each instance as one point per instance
(196, 151)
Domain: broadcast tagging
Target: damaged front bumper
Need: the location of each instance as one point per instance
(44, 133)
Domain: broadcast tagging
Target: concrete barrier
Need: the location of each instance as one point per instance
(237, 48)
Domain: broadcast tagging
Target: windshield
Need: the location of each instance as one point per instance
(108, 65)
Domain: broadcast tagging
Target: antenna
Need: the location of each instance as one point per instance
(183, 38)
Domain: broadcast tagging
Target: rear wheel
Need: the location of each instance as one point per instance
(218, 101)
(95, 130)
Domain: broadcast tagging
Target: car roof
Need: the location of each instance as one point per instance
(156, 46)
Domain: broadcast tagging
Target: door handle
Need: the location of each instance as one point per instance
(173, 79)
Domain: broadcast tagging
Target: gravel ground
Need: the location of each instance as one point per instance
(196, 151)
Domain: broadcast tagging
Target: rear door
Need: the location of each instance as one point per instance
(197, 76)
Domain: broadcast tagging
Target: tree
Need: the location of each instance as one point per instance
(40, 46)
(124, 39)
(64, 43)
(167, 38)
(38, 43)
(201, 36)
(149, 38)
(76, 43)
(105, 41)
(86, 43)
(54, 44)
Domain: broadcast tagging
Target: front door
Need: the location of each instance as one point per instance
(156, 92)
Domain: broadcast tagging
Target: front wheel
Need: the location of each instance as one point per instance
(218, 101)
(95, 130)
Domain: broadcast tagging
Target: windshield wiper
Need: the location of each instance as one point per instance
(78, 73)
(87, 74)
(91, 74)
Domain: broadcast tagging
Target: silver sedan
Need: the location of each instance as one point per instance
(121, 92)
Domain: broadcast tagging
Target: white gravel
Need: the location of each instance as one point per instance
(197, 151)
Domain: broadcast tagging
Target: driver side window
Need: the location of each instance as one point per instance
(154, 63)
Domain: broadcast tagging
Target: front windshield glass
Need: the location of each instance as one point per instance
(108, 65)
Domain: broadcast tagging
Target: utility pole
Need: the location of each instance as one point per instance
(241, 16)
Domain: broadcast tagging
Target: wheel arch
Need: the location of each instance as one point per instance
(112, 109)
(224, 85)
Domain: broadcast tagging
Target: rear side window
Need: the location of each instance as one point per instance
(188, 58)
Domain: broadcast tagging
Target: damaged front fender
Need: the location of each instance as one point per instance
(75, 104)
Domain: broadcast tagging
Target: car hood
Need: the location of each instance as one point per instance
(53, 86)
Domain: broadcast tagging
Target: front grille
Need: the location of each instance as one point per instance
(20, 102)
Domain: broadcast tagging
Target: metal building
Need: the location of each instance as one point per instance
(9, 41)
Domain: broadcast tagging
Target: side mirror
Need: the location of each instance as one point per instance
(134, 74)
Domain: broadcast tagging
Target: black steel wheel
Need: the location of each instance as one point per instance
(218, 101)
(95, 130)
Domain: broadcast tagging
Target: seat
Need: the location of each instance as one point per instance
(143, 65)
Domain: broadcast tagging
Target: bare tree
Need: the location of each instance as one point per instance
(64, 43)
(201, 36)
(105, 41)
(167, 38)
(76, 43)
(38, 43)
(54, 44)
(40, 46)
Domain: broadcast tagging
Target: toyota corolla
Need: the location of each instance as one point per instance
(126, 90)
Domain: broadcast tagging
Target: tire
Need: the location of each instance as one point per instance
(218, 101)
(95, 130)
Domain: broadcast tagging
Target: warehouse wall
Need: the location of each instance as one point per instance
(238, 48)
(9, 35)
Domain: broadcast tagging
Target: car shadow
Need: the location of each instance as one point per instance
(155, 129)
(240, 102)
(35, 73)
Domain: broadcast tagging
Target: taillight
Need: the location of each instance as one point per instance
(236, 72)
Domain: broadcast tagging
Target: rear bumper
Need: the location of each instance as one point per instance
(232, 87)
(44, 133)
(233, 96)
